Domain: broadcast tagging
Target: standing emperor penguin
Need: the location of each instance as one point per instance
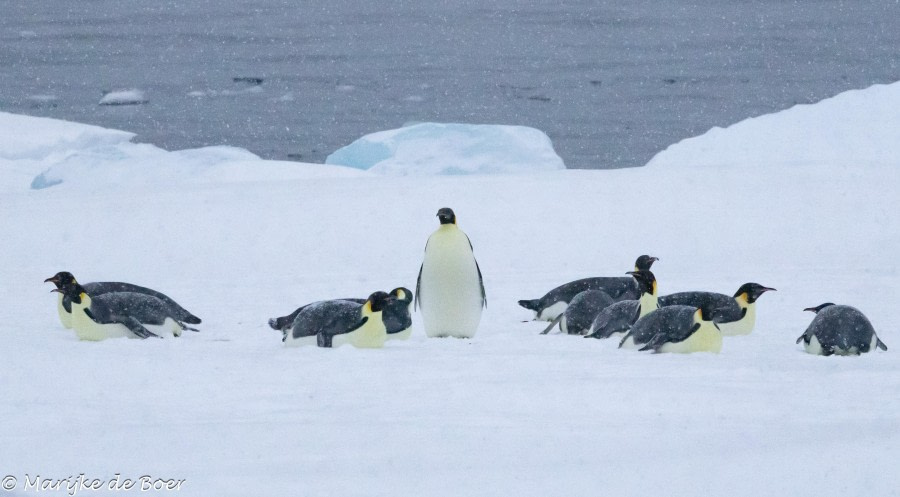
(450, 289)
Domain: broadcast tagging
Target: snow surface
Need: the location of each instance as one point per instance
(451, 148)
(858, 127)
(509, 412)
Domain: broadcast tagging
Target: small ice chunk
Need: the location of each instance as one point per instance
(124, 97)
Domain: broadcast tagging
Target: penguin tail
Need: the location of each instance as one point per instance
(188, 327)
(879, 344)
(192, 319)
(531, 305)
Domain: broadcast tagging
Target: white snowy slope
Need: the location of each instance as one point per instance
(41, 153)
(509, 412)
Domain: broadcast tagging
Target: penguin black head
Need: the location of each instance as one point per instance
(645, 280)
(644, 263)
(66, 285)
(378, 301)
(753, 291)
(61, 279)
(818, 308)
(402, 293)
(446, 216)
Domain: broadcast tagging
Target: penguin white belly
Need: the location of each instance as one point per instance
(87, 329)
(813, 347)
(169, 327)
(742, 326)
(451, 298)
(552, 312)
(706, 339)
(65, 317)
(855, 350)
(371, 335)
(850, 351)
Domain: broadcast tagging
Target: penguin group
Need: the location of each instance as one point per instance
(685, 322)
(450, 295)
(101, 310)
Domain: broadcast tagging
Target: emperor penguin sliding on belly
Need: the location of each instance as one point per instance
(450, 289)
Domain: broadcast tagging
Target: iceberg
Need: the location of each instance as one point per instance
(124, 97)
(451, 149)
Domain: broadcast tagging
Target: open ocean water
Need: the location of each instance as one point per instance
(611, 82)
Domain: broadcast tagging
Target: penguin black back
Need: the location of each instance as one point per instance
(841, 330)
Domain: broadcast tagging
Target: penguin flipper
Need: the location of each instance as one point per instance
(625, 337)
(90, 314)
(553, 323)
(357, 326)
(481, 284)
(137, 328)
(418, 295)
(326, 339)
(879, 344)
(800, 338)
(653, 344)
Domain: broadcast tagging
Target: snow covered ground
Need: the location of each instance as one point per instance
(803, 201)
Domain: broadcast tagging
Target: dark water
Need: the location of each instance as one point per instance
(612, 82)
